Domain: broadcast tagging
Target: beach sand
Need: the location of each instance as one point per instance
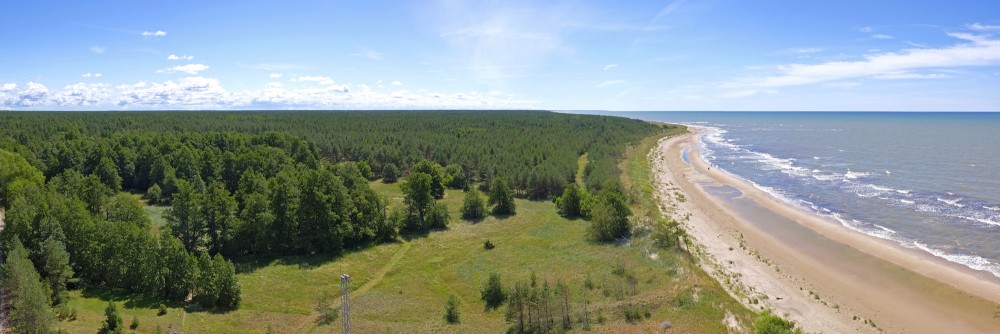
(813, 271)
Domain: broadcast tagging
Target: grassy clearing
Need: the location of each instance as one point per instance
(581, 168)
(403, 287)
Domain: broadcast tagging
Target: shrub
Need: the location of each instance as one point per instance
(488, 245)
(451, 310)
(161, 310)
(767, 323)
(492, 291)
(473, 207)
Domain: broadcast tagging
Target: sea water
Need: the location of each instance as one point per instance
(928, 181)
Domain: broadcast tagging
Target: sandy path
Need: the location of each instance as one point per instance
(851, 274)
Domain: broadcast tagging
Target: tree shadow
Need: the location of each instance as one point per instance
(247, 264)
(131, 300)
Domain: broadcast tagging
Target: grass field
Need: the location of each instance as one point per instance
(402, 287)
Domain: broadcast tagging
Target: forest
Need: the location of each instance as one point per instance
(242, 183)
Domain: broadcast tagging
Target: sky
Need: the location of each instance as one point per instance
(678, 55)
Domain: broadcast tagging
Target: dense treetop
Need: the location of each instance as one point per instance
(535, 152)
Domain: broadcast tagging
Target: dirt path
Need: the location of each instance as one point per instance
(375, 280)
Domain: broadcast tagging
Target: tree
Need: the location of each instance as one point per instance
(219, 212)
(390, 173)
(438, 217)
(57, 269)
(28, 304)
(609, 217)
(451, 310)
(473, 207)
(185, 216)
(14, 167)
(179, 270)
(501, 197)
(122, 208)
(418, 197)
(366, 170)
(492, 292)
(112, 320)
(108, 173)
(154, 194)
(437, 176)
(207, 286)
(229, 288)
(569, 202)
(454, 177)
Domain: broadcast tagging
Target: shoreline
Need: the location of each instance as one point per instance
(828, 278)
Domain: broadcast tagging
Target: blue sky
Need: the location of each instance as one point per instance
(564, 55)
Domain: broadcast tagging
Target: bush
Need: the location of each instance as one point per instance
(492, 291)
(390, 174)
(327, 314)
(609, 218)
(113, 321)
(438, 217)
(154, 194)
(501, 197)
(767, 323)
(134, 324)
(473, 207)
(161, 310)
(451, 310)
(488, 245)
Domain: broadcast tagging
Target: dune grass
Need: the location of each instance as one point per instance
(403, 287)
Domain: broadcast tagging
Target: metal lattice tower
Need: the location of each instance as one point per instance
(345, 305)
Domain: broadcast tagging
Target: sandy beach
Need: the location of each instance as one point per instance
(823, 276)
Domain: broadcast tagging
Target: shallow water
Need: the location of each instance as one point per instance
(928, 181)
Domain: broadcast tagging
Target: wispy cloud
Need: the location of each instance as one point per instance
(983, 27)
(91, 75)
(610, 83)
(610, 66)
(275, 75)
(98, 49)
(368, 53)
(397, 83)
(272, 67)
(158, 33)
(669, 8)
(317, 79)
(881, 36)
(866, 29)
(192, 69)
(974, 50)
(176, 57)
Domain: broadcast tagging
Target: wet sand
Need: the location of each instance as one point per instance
(828, 278)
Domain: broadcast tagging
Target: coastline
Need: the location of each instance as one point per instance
(825, 277)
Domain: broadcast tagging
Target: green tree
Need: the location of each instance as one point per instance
(185, 216)
(179, 270)
(609, 216)
(122, 208)
(112, 320)
(437, 176)
(419, 199)
(229, 288)
(438, 217)
(473, 206)
(219, 212)
(366, 170)
(492, 291)
(14, 167)
(207, 286)
(451, 310)
(108, 173)
(57, 268)
(501, 197)
(29, 310)
(454, 177)
(154, 194)
(569, 202)
(390, 173)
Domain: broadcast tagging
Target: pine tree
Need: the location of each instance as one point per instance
(473, 206)
(29, 310)
(501, 197)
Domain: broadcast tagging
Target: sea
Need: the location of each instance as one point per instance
(927, 181)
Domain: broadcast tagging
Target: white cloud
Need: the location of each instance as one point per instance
(397, 83)
(98, 49)
(610, 66)
(881, 36)
(158, 33)
(91, 75)
(804, 50)
(983, 27)
(8, 87)
(367, 53)
(842, 85)
(978, 50)
(274, 75)
(191, 69)
(866, 29)
(610, 83)
(670, 8)
(317, 79)
(208, 93)
(176, 57)
(909, 75)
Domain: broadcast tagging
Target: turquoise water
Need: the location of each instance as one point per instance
(928, 181)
